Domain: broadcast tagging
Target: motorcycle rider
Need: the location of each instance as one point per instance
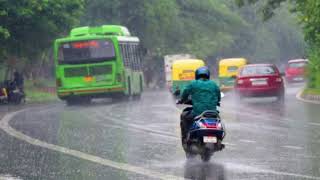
(205, 95)
(18, 80)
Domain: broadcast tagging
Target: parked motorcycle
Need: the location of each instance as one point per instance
(205, 135)
(11, 93)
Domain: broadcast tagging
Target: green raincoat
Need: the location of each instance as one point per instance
(205, 95)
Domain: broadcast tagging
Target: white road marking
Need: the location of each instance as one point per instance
(247, 141)
(8, 177)
(250, 169)
(293, 147)
(153, 132)
(4, 125)
(314, 124)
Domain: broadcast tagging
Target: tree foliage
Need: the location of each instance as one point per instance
(29, 26)
(168, 26)
(209, 29)
(308, 12)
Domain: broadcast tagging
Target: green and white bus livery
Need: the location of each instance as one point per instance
(100, 61)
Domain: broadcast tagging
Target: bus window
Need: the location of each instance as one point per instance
(139, 51)
(131, 59)
(86, 51)
(123, 53)
(127, 55)
(135, 56)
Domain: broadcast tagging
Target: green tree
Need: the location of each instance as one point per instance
(308, 12)
(28, 27)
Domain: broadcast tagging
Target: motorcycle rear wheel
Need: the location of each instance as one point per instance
(189, 155)
(206, 155)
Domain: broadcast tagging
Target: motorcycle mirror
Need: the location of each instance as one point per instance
(178, 102)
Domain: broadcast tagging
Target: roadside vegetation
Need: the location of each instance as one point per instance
(311, 91)
(39, 91)
(308, 16)
(209, 29)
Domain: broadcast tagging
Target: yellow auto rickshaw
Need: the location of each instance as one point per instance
(228, 69)
(183, 71)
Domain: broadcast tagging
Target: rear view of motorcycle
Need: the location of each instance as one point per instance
(205, 135)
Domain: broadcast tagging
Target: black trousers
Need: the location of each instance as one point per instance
(186, 120)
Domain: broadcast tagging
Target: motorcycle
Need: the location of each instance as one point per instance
(205, 135)
(11, 93)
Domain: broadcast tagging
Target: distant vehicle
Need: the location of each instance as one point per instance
(228, 69)
(295, 70)
(102, 61)
(183, 71)
(259, 80)
(168, 61)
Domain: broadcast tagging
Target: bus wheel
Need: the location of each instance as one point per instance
(78, 101)
(71, 101)
(85, 100)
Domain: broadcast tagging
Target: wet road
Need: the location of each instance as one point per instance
(140, 140)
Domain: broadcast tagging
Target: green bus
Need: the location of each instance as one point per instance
(95, 62)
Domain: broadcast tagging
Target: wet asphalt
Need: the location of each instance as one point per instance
(265, 140)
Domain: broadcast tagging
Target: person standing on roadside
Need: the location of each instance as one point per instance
(18, 80)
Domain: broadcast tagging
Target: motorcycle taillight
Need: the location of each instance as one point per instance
(212, 126)
(202, 125)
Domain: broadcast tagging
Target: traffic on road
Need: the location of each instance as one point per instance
(169, 90)
(141, 140)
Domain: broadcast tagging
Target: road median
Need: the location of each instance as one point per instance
(309, 96)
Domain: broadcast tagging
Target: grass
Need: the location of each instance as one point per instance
(39, 83)
(312, 91)
(36, 96)
(34, 93)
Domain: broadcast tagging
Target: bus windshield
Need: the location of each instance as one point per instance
(86, 51)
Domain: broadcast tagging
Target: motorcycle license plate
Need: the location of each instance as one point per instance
(210, 139)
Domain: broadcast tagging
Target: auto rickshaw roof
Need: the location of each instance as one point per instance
(188, 62)
(233, 61)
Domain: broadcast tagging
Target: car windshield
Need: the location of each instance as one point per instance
(257, 70)
(86, 51)
(297, 65)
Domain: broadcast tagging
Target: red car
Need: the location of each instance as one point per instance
(295, 70)
(259, 80)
